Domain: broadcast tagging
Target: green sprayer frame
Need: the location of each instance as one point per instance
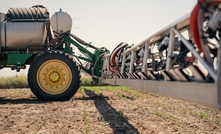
(19, 60)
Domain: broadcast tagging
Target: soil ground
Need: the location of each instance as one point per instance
(105, 112)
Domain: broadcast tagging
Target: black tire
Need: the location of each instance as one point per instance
(54, 76)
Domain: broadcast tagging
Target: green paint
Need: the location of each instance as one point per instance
(91, 57)
(18, 59)
(85, 59)
(68, 49)
(69, 40)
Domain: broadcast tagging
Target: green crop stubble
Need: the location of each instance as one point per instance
(164, 116)
(203, 115)
(218, 120)
(82, 92)
(184, 111)
(86, 122)
(114, 89)
(45, 119)
(123, 115)
(170, 118)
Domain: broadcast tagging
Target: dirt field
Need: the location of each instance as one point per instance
(104, 112)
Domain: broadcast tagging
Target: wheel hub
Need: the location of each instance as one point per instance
(54, 76)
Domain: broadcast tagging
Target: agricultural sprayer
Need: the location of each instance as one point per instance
(182, 60)
(29, 37)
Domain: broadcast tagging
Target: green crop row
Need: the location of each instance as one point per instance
(22, 82)
(13, 82)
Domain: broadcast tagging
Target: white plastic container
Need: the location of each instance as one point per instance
(61, 22)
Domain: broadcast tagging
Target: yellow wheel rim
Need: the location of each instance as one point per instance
(54, 76)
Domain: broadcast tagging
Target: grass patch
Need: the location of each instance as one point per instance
(86, 81)
(218, 120)
(164, 116)
(191, 111)
(158, 103)
(196, 105)
(86, 122)
(203, 115)
(170, 106)
(154, 95)
(200, 115)
(118, 94)
(114, 89)
(184, 111)
(82, 92)
(13, 82)
(101, 95)
(170, 118)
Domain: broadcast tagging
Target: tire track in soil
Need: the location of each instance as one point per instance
(110, 115)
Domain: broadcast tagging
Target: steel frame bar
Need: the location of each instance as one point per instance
(218, 95)
(144, 68)
(170, 50)
(123, 63)
(196, 54)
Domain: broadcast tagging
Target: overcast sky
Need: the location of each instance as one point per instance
(106, 23)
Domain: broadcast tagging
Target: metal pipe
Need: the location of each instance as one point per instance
(132, 61)
(146, 52)
(219, 79)
(93, 68)
(170, 50)
(123, 63)
(105, 66)
(196, 54)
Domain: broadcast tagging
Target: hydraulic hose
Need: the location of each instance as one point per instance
(113, 66)
(196, 21)
(94, 76)
(52, 42)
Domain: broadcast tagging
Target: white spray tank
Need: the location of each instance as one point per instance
(61, 22)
